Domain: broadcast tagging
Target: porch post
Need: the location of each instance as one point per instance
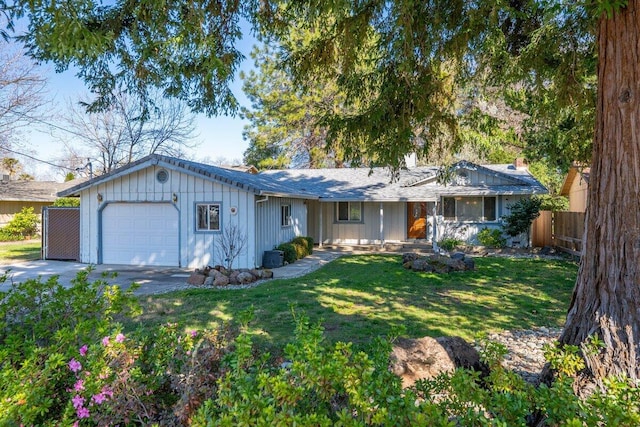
(381, 225)
(434, 238)
(321, 207)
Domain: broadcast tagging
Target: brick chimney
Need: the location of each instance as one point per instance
(520, 164)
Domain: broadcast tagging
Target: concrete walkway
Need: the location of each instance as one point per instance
(152, 280)
(306, 265)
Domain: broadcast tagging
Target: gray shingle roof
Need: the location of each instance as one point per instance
(417, 184)
(348, 184)
(32, 191)
(257, 184)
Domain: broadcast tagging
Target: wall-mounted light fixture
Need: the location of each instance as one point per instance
(174, 198)
(99, 197)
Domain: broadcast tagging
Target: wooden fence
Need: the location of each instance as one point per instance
(564, 230)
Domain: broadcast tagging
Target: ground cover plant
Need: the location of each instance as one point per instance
(11, 252)
(360, 297)
(65, 360)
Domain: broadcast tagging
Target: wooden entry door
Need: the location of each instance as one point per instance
(417, 220)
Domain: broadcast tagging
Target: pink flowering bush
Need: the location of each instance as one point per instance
(64, 359)
(45, 334)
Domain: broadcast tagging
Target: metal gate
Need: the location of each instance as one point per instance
(61, 233)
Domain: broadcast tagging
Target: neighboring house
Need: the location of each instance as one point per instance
(16, 195)
(575, 187)
(166, 211)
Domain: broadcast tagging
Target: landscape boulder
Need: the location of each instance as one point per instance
(426, 358)
(409, 257)
(196, 278)
(221, 280)
(245, 277)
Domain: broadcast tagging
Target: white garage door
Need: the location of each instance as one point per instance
(140, 234)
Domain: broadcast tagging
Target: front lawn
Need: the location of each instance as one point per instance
(12, 252)
(362, 296)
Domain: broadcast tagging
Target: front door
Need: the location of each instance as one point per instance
(416, 220)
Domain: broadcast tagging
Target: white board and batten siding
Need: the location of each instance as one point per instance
(269, 230)
(366, 232)
(139, 192)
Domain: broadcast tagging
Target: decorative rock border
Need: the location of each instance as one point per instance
(219, 276)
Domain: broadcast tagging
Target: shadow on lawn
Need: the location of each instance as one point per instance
(357, 298)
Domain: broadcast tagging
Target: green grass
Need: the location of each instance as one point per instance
(12, 252)
(359, 297)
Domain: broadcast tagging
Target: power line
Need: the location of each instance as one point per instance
(38, 160)
(36, 119)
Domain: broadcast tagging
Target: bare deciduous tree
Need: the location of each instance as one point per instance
(230, 244)
(22, 90)
(126, 131)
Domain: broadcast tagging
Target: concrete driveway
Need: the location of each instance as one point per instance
(151, 279)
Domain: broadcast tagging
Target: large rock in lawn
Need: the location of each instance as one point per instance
(426, 358)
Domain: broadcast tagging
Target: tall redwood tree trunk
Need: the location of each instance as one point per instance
(606, 299)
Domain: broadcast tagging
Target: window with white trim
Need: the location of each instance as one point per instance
(285, 215)
(349, 211)
(208, 217)
(469, 209)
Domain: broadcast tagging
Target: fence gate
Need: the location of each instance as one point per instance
(61, 233)
(541, 230)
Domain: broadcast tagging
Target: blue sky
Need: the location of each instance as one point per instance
(218, 136)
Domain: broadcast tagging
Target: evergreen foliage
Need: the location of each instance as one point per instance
(67, 202)
(521, 215)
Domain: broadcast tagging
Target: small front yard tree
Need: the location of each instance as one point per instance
(522, 213)
(230, 244)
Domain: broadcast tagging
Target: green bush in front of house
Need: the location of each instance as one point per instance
(303, 245)
(24, 224)
(290, 253)
(450, 243)
(491, 238)
(296, 249)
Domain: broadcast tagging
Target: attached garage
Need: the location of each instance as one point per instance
(168, 212)
(140, 234)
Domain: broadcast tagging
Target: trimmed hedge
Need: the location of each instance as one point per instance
(298, 248)
(290, 253)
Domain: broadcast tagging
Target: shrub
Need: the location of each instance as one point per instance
(67, 345)
(522, 213)
(302, 246)
(24, 223)
(320, 384)
(450, 243)
(67, 202)
(491, 238)
(42, 326)
(8, 237)
(290, 253)
(309, 240)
